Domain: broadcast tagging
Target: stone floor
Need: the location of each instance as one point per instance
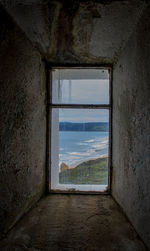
(73, 223)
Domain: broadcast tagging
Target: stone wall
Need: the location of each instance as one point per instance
(22, 124)
(131, 129)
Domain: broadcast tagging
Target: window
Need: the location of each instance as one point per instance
(80, 111)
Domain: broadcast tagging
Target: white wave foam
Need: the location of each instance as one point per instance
(98, 146)
(103, 144)
(87, 153)
(94, 148)
(89, 141)
(82, 144)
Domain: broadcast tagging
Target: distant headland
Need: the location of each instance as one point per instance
(89, 126)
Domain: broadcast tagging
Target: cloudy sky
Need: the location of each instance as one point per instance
(83, 92)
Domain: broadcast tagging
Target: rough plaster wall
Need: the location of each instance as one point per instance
(77, 31)
(22, 124)
(131, 129)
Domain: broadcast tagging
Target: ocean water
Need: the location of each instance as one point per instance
(77, 147)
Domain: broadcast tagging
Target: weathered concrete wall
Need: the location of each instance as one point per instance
(22, 124)
(77, 31)
(73, 32)
(131, 129)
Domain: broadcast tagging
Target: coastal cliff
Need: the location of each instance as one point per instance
(93, 171)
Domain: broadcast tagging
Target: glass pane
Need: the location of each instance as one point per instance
(80, 146)
(80, 86)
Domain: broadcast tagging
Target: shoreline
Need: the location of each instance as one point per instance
(85, 161)
(104, 156)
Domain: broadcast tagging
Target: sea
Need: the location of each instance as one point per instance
(77, 147)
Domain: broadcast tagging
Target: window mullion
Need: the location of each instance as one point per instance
(80, 106)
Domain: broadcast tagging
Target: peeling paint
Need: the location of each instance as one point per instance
(78, 31)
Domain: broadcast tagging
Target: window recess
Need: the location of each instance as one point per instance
(80, 112)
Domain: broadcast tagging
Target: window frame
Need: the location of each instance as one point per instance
(50, 106)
